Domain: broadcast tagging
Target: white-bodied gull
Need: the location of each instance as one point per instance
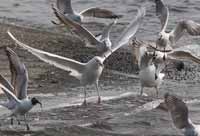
(88, 73)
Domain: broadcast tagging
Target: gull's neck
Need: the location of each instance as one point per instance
(145, 62)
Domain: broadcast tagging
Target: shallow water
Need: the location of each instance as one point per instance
(122, 110)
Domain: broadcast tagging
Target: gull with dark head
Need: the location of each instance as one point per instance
(16, 92)
(101, 42)
(168, 39)
(180, 115)
(65, 7)
(87, 73)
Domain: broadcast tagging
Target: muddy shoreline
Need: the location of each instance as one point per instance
(117, 116)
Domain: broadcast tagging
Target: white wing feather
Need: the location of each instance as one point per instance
(67, 64)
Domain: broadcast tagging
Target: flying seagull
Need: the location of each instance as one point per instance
(65, 7)
(101, 42)
(170, 38)
(180, 115)
(16, 91)
(87, 73)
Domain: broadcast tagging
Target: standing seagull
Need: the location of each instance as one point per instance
(151, 63)
(18, 101)
(148, 70)
(180, 116)
(169, 39)
(87, 73)
(65, 7)
(101, 42)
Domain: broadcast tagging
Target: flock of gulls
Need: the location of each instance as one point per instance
(151, 57)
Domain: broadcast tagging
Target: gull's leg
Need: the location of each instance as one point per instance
(97, 88)
(156, 91)
(27, 126)
(18, 120)
(85, 95)
(141, 91)
(164, 58)
(11, 121)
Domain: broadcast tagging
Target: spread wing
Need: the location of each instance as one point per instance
(185, 55)
(19, 74)
(99, 12)
(76, 68)
(65, 6)
(106, 31)
(5, 83)
(77, 28)
(163, 14)
(188, 26)
(127, 33)
(9, 94)
(178, 110)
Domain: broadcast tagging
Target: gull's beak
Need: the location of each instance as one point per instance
(40, 105)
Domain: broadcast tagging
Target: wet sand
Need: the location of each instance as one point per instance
(122, 112)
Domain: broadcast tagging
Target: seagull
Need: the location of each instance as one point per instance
(65, 7)
(180, 115)
(16, 92)
(168, 39)
(151, 62)
(102, 42)
(147, 69)
(87, 73)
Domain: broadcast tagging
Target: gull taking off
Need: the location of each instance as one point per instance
(87, 73)
(180, 115)
(101, 42)
(18, 101)
(65, 7)
(169, 39)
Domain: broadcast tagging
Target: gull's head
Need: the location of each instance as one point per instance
(98, 61)
(35, 101)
